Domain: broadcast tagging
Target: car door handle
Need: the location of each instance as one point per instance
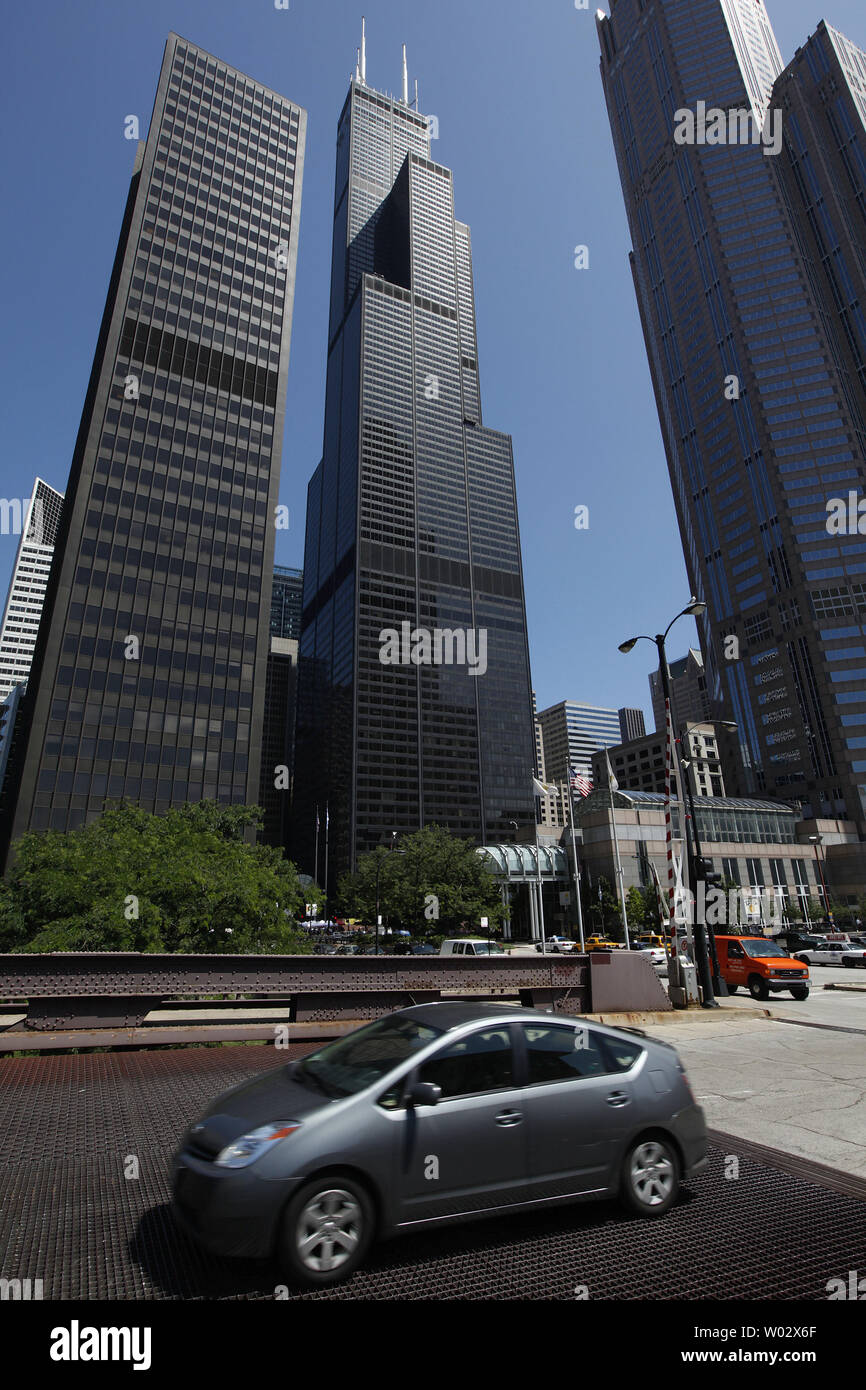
(509, 1117)
(617, 1098)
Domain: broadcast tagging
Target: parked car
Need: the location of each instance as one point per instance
(800, 941)
(762, 966)
(314, 1160)
(470, 946)
(423, 948)
(657, 955)
(831, 953)
(557, 945)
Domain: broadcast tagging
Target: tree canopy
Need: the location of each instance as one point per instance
(185, 881)
(431, 881)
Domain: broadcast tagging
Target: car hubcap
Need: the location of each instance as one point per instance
(328, 1231)
(652, 1174)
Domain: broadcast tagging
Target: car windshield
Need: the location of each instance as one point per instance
(350, 1064)
(763, 948)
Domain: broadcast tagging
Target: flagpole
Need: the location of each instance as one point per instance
(316, 870)
(610, 782)
(576, 868)
(327, 822)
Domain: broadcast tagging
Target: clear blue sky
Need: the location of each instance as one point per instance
(517, 93)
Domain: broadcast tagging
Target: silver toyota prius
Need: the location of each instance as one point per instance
(438, 1113)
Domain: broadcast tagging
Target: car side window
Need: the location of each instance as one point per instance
(481, 1062)
(559, 1053)
(735, 952)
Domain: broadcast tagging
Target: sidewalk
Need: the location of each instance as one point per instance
(795, 1088)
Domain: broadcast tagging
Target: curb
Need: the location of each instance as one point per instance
(614, 1020)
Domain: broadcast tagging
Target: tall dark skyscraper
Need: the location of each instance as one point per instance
(748, 262)
(149, 673)
(411, 522)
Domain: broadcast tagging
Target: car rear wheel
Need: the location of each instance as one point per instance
(732, 989)
(758, 988)
(650, 1177)
(800, 991)
(326, 1230)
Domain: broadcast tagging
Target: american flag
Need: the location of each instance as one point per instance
(578, 783)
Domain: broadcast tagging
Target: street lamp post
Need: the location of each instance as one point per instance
(380, 859)
(817, 840)
(693, 609)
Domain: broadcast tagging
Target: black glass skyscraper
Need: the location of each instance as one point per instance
(744, 188)
(148, 678)
(411, 523)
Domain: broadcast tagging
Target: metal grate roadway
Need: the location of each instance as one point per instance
(70, 1217)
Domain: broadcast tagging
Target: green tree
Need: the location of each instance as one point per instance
(636, 909)
(186, 881)
(605, 909)
(433, 882)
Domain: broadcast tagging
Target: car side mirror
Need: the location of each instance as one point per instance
(424, 1093)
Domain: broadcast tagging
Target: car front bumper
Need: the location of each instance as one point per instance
(228, 1211)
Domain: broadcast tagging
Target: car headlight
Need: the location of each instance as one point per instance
(248, 1147)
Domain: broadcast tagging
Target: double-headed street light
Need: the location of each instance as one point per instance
(695, 608)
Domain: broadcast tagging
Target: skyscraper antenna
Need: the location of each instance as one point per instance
(363, 50)
(405, 95)
(357, 64)
(416, 93)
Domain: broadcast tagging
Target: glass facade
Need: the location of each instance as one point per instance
(761, 410)
(287, 597)
(571, 733)
(150, 668)
(411, 518)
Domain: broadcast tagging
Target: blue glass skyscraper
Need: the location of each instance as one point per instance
(760, 398)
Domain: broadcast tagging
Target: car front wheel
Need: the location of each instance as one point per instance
(758, 988)
(650, 1177)
(800, 991)
(326, 1230)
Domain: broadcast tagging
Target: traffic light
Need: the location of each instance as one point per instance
(707, 873)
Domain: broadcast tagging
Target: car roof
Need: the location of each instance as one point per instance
(448, 1014)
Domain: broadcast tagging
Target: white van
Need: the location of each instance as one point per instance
(470, 946)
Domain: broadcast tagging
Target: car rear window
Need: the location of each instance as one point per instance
(620, 1054)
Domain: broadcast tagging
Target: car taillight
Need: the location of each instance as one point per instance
(687, 1084)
